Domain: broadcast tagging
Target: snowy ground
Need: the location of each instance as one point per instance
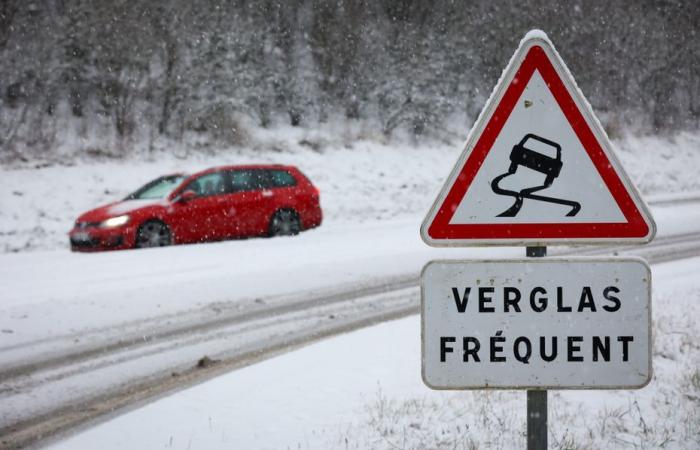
(363, 390)
(83, 298)
(57, 302)
(374, 197)
(359, 182)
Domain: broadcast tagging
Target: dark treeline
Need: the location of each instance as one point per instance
(166, 69)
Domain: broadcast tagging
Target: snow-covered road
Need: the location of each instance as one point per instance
(52, 294)
(364, 390)
(77, 327)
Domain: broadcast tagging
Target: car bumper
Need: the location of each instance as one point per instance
(100, 239)
(312, 218)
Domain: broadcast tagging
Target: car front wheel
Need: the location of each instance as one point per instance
(153, 233)
(285, 223)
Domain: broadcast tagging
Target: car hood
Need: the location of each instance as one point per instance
(119, 208)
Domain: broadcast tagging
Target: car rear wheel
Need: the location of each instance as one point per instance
(153, 233)
(285, 223)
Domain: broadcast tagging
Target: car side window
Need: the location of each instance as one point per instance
(208, 184)
(249, 180)
(282, 178)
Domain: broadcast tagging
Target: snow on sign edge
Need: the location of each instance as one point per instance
(531, 39)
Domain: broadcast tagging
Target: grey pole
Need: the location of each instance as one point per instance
(536, 400)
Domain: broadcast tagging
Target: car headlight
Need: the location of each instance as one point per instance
(113, 222)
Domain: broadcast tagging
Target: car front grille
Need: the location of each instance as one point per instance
(84, 243)
(84, 225)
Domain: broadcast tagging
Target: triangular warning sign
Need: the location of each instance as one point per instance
(537, 167)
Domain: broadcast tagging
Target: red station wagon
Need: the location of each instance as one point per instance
(218, 203)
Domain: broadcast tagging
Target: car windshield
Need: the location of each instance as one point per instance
(158, 188)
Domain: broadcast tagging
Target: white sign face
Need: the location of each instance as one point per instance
(578, 180)
(545, 323)
(537, 167)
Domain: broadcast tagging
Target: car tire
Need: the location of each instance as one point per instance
(153, 233)
(285, 222)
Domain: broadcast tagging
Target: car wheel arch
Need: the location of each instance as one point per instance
(145, 221)
(282, 210)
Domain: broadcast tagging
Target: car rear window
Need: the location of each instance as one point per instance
(282, 178)
(249, 180)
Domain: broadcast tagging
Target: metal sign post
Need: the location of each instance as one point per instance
(537, 420)
(537, 412)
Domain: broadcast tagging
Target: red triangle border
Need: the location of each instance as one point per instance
(441, 229)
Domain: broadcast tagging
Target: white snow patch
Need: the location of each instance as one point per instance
(535, 34)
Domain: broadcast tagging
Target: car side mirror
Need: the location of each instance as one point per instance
(186, 196)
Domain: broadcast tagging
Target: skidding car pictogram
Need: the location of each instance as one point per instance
(521, 155)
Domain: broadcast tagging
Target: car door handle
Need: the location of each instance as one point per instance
(267, 193)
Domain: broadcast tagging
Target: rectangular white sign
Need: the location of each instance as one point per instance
(574, 323)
